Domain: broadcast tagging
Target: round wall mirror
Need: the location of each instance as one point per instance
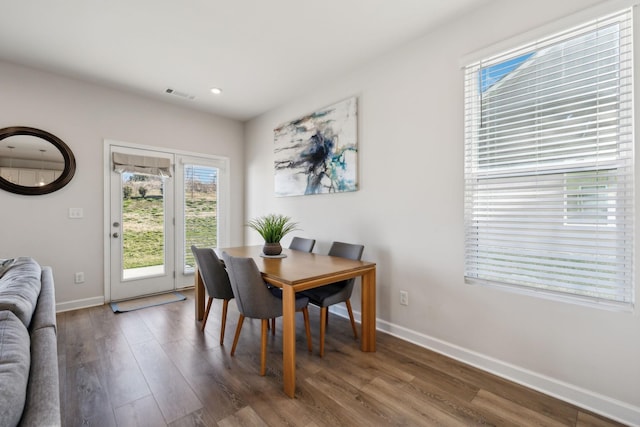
(33, 161)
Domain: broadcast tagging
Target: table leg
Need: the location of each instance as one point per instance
(289, 340)
(199, 295)
(368, 307)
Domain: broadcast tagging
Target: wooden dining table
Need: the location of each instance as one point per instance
(298, 271)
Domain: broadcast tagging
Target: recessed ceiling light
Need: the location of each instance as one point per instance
(216, 91)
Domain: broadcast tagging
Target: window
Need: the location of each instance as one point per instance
(202, 200)
(549, 165)
(200, 210)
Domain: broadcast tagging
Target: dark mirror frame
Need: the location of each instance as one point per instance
(61, 181)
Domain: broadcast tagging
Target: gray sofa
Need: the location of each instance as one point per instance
(29, 390)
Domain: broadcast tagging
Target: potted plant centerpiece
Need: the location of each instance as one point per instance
(273, 228)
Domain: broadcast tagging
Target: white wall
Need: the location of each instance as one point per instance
(83, 116)
(409, 215)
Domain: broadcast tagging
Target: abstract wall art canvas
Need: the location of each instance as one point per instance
(318, 153)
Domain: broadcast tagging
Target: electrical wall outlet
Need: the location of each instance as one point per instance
(404, 298)
(79, 277)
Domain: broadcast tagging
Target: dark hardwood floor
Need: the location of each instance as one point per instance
(154, 367)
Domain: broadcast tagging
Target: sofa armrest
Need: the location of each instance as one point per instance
(44, 315)
(42, 406)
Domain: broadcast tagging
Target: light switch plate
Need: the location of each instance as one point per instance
(76, 213)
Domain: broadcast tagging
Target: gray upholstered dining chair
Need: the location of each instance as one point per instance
(255, 301)
(297, 244)
(334, 293)
(302, 244)
(216, 282)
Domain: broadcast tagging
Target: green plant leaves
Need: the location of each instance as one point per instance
(273, 227)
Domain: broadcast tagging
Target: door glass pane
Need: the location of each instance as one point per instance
(200, 210)
(143, 218)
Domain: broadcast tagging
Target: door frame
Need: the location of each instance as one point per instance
(224, 204)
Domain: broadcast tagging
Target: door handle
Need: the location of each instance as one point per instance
(116, 235)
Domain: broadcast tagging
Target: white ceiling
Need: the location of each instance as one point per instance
(262, 53)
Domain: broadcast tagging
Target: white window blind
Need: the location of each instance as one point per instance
(200, 209)
(549, 165)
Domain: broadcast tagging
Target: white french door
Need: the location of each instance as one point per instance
(141, 227)
(200, 195)
(153, 219)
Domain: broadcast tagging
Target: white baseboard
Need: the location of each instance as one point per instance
(79, 303)
(611, 408)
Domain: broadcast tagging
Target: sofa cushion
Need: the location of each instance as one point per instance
(4, 265)
(15, 361)
(20, 287)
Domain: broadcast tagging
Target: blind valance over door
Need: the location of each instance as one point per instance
(131, 163)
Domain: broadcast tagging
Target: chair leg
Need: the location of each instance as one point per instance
(307, 327)
(273, 326)
(225, 305)
(323, 327)
(263, 347)
(206, 313)
(235, 339)
(353, 322)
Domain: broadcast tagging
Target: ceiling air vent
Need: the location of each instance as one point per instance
(180, 94)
